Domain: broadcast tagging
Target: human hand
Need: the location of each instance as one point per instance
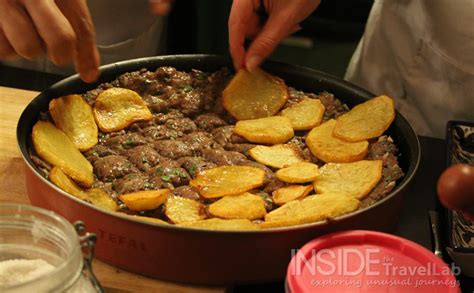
(456, 189)
(284, 17)
(61, 29)
(161, 7)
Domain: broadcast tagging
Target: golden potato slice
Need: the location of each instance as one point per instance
(228, 180)
(221, 224)
(53, 146)
(117, 108)
(310, 209)
(181, 210)
(145, 200)
(74, 117)
(289, 193)
(269, 130)
(256, 94)
(305, 115)
(366, 120)
(64, 182)
(96, 196)
(277, 156)
(355, 179)
(243, 206)
(329, 148)
(100, 198)
(147, 219)
(298, 173)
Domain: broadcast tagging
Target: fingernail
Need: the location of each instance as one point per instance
(253, 62)
(90, 76)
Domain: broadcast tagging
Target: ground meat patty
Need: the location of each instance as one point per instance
(221, 157)
(173, 149)
(225, 134)
(160, 132)
(195, 165)
(112, 167)
(130, 183)
(209, 121)
(187, 192)
(184, 125)
(143, 157)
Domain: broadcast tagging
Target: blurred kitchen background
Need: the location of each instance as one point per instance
(326, 42)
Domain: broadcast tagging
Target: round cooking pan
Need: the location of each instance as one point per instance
(199, 256)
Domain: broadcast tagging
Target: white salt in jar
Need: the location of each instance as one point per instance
(41, 251)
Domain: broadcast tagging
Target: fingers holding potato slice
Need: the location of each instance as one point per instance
(277, 156)
(310, 209)
(355, 179)
(228, 180)
(366, 120)
(288, 193)
(305, 115)
(117, 108)
(221, 224)
(74, 117)
(53, 146)
(145, 200)
(269, 130)
(298, 173)
(182, 210)
(256, 94)
(243, 206)
(329, 148)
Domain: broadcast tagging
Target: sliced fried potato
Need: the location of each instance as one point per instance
(74, 117)
(355, 179)
(100, 198)
(53, 146)
(147, 219)
(181, 210)
(228, 180)
(96, 196)
(305, 115)
(289, 193)
(269, 130)
(310, 209)
(117, 108)
(366, 120)
(64, 182)
(145, 200)
(298, 173)
(243, 206)
(256, 94)
(329, 148)
(221, 224)
(277, 156)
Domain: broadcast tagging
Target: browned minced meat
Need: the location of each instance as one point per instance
(191, 132)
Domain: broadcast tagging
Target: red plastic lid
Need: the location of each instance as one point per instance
(367, 261)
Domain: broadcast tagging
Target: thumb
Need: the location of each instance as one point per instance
(272, 33)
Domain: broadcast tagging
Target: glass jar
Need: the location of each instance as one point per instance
(37, 235)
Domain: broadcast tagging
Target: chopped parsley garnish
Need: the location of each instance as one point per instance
(128, 142)
(192, 170)
(187, 88)
(165, 178)
(159, 170)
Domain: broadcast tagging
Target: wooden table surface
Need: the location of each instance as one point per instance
(13, 190)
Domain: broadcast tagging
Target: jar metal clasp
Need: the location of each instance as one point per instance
(87, 241)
